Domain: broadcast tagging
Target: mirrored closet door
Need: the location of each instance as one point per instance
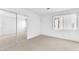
(7, 25)
(21, 27)
(13, 26)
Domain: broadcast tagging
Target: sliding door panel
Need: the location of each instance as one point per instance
(21, 26)
(7, 28)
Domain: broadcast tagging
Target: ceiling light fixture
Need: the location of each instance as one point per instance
(48, 8)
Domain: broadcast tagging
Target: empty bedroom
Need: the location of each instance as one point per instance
(39, 29)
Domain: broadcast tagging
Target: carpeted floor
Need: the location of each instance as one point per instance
(42, 43)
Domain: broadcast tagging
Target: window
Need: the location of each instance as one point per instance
(58, 22)
(65, 22)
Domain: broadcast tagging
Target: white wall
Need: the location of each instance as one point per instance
(33, 21)
(47, 29)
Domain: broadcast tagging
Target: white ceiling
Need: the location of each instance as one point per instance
(43, 11)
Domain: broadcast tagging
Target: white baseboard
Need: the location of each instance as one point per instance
(61, 38)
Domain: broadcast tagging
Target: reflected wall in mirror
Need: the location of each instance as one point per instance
(12, 25)
(7, 24)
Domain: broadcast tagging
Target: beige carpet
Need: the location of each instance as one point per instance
(42, 43)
